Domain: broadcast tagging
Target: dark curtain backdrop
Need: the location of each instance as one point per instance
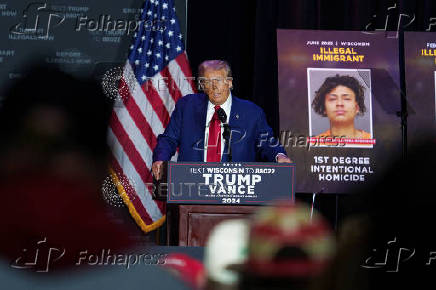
(244, 33)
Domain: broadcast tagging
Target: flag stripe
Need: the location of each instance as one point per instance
(142, 204)
(132, 169)
(138, 146)
(182, 60)
(155, 100)
(135, 159)
(136, 200)
(160, 86)
(146, 108)
(130, 173)
(171, 84)
(139, 120)
(183, 82)
(134, 136)
(132, 197)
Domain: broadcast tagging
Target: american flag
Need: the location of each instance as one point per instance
(155, 76)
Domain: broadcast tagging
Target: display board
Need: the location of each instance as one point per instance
(420, 61)
(339, 96)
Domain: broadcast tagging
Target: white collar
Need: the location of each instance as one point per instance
(226, 106)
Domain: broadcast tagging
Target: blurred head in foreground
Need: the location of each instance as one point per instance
(287, 248)
(226, 247)
(52, 164)
(187, 269)
(52, 122)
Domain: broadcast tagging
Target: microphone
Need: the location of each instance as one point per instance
(222, 115)
(223, 118)
(226, 134)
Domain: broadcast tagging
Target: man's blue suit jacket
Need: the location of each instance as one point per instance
(251, 139)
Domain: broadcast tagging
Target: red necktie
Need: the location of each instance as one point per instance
(214, 141)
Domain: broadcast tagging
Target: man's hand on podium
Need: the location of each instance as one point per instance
(156, 168)
(282, 158)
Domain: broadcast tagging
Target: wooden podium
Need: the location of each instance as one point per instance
(191, 224)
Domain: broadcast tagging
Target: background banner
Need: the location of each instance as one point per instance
(85, 37)
(339, 95)
(420, 61)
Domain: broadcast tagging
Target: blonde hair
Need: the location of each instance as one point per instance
(214, 65)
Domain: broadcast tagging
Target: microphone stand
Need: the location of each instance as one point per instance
(227, 132)
(226, 135)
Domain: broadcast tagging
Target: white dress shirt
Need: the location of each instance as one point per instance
(227, 106)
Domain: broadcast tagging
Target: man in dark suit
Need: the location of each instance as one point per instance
(203, 125)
